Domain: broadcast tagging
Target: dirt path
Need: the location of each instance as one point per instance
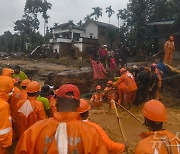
(131, 127)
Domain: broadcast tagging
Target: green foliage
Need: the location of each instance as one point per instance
(135, 31)
(110, 12)
(97, 12)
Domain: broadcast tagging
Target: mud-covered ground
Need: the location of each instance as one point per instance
(102, 116)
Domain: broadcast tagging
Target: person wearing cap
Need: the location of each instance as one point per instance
(126, 88)
(97, 97)
(65, 132)
(112, 147)
(6, 86)
(157, 140)
(169, 48)
(29, 110)
(110, 94)
(7, 72)
(43, 97)
(135, 71)
(19, 74)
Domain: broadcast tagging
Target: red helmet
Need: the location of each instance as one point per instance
(84, 106)
(154, 110)
(64, 89)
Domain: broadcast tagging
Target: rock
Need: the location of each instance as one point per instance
(82, 78)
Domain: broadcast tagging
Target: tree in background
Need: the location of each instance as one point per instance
(97, 12)
(110, 12)
(80, 23)
(28, 26)
(88, 17)
(118, 17)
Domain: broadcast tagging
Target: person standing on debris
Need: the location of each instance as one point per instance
(157, 140)
(97, 97)
(103, 55)
(29, 110)
(169, 48)
(126, 88)
(6, 85)
(65, 132)
(43, 98)
(112, 147)
(99, 70)
(153, 83)
(18, 74)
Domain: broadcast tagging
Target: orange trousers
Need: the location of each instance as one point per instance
(168, 57)
(130, 97)
(3, 150)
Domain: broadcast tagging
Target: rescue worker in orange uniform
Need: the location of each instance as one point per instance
(169, 48)
(113, 147)
(23, 92)
(63, 133)
(110, 94)
(97, 97)
(52, 101)
(7, 72)
(29, 110)
(157, 140)
(6, 85)
(126, 88)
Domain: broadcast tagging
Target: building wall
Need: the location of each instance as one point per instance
(91, 28)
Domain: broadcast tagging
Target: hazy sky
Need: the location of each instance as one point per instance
(62, 11)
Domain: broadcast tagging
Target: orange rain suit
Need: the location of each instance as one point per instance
(112, 147)
(160, 142)
(43, 136)
(29, 111)
(169, 48)
(111, 94)
(52, 102)
(96, 99)
(126, 87)
(6, 85)
(23, 94)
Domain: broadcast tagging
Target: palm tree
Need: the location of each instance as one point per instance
(80, 23)
(118, 17)
(56, 24)
(88, 17)
(110, 12)
(97, 12)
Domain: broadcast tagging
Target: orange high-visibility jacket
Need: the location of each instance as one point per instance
(153, 143)
(14, 99)
(112, 147)
(29, 111)
(5, 126)
(129, 81)
(52, 102)
(23, 94)
(41, 137)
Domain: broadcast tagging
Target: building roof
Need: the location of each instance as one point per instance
(68, 25)
(165, 22)
(101, 24)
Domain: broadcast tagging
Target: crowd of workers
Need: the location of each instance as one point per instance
(44, 120)
(47, 121)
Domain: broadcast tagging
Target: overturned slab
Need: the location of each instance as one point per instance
(82, 78)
